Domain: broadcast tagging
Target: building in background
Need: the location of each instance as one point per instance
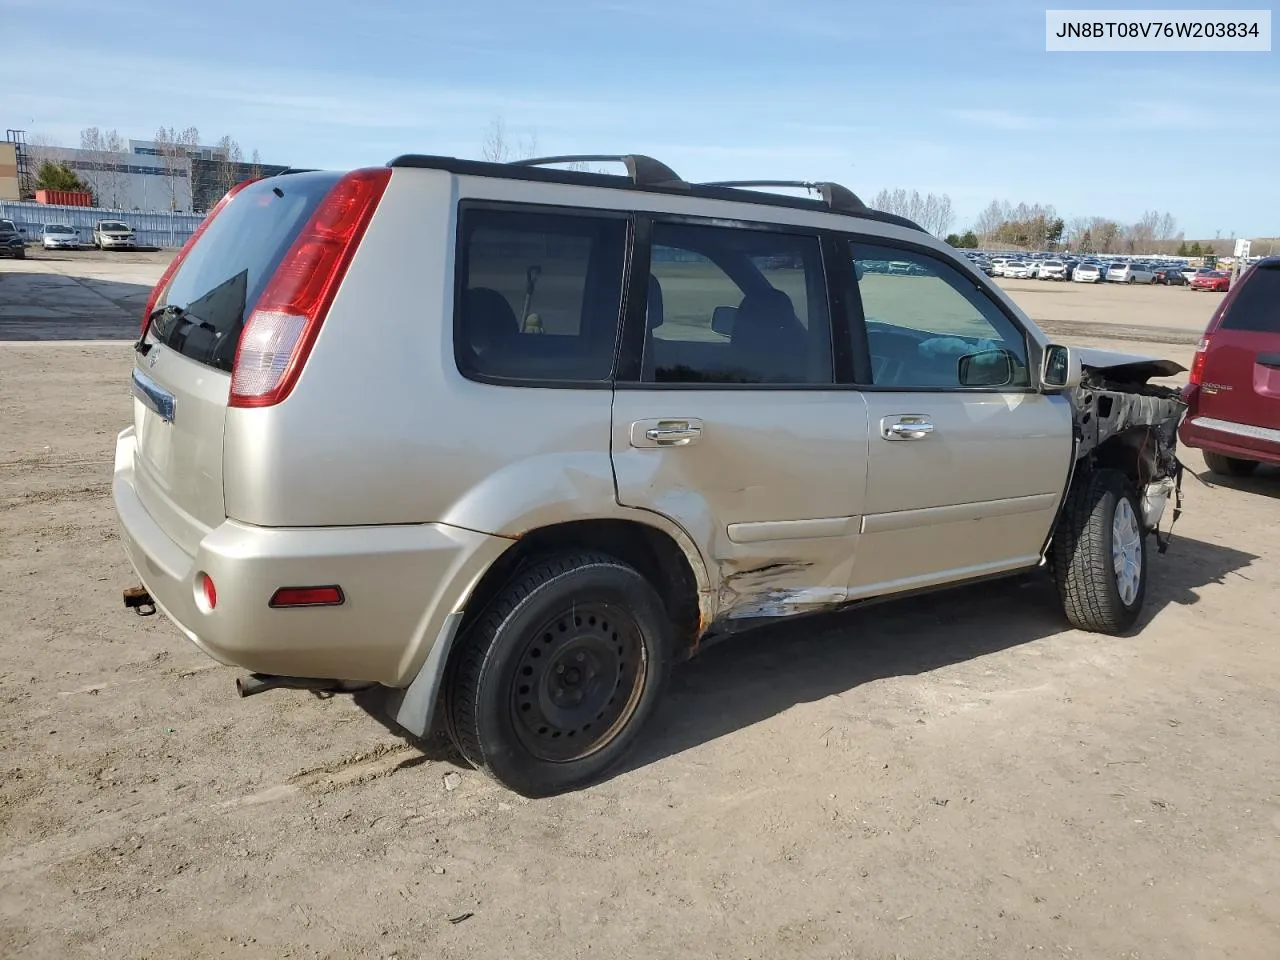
(9, 186)
(145, 178)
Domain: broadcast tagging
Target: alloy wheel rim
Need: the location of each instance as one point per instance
(1126, 552)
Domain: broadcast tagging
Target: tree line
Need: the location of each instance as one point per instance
(102, 165)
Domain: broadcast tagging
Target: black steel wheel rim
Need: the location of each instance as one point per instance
(578, 682)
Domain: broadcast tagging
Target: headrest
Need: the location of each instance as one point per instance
(653, 311)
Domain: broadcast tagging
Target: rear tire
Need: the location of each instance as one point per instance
(558, 674)
(1100, 554)
(1226, 466)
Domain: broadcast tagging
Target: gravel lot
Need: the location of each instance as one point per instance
(960, 777)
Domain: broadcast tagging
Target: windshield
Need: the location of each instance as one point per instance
(114, 225)
(225, 272)
(57, 228)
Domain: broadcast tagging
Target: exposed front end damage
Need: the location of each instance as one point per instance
(1125, 422)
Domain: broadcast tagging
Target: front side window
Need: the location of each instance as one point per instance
(932, 327)
(541, 295)
(736, 306)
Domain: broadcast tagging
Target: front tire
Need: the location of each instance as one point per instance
(1226, 466)
(1100, 554)
(558, 674)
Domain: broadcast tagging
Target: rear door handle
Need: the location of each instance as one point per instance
(907, 426)
(666, 433)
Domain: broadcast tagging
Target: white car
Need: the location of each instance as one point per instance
(1089, 273)
(1053, 270)
(114, 235)
(59, 236)
(1017, 270)
(1131, 273)
(1188, 273)
(997, 266)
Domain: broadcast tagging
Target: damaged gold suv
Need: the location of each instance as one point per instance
(510, 439)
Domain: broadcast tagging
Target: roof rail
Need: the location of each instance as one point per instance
(643, 171)
(834, 195)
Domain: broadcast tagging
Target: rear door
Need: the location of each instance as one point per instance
(1241, 379)
(182, 372)
(729, 421)
(968, 460)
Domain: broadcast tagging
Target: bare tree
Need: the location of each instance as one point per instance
(255, 164)
(931, 211)
(175, 149)
(93, 160)
(230, 160)
(990, 219)
(498, 147)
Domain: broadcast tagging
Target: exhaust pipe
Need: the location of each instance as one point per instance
(256, 683)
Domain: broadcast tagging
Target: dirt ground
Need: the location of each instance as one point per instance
(958, 777)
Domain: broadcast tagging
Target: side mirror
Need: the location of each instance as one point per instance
(22, 229)
(723, 319)
(1062, 369)
(990, 368)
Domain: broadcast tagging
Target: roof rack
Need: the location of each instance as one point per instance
(650, 175)
(643, 171)
(834, 195)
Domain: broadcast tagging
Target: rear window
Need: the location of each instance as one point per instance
(1257, 302)
(208, 299)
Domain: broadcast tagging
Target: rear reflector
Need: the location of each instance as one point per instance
(308, 597)
(208, 592)
(283, 326)
(176, 262)
(1197, 364)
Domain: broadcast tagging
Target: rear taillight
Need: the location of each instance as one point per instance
(284, 324)
(176, 262)
(1197, 365)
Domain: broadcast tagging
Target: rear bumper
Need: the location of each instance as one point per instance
(1230, 439)
(400, 582)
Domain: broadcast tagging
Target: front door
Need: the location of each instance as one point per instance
(967, 460)
(735, 430)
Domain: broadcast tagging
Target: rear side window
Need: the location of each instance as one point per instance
(540, 296)
(1256, 305)
(208, 299)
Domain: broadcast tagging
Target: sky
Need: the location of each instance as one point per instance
(954, 97)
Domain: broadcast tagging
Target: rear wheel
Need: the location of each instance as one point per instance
(1100, 554)
(1228, 466)
(556, 677)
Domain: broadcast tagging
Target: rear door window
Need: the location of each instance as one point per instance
(209, 298)
(1256, 305)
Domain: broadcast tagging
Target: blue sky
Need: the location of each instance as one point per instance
(956, 97)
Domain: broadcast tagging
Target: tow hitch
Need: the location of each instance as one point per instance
(139, 601)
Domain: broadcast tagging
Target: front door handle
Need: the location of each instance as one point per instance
(665, 433)
(906, 427)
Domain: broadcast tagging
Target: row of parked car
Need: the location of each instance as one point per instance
(105, 235)
(1094, 270)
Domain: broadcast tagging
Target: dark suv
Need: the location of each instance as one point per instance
(1233, 399)
(11, 242)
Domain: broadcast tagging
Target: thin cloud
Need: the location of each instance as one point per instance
(996, 119)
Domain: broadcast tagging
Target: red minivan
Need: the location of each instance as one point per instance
(1233, 399)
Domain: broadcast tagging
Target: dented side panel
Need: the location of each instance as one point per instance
(772, 486)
